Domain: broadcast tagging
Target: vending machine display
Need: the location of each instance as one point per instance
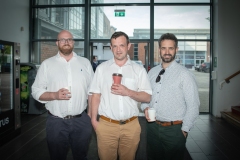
(10, 123)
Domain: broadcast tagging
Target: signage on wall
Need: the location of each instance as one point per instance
(119, 12)
(215, 62)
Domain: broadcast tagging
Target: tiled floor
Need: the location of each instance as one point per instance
(211, 139)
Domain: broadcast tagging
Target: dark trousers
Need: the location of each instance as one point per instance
(65, 133)
(165, 143)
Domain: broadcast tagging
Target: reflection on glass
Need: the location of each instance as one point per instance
(181, 1)
(136, 52)
(104, 21)
(50, 21)
(187, 53)
(192, 18)
(192, 58)
(120, 1)
(5, 58)
(49, 49)
(6, 71)
(56, 2)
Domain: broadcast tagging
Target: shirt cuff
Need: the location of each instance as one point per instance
(185, 128)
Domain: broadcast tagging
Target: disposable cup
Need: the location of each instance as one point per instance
(69, 89)
(152, 114)
(117, 78)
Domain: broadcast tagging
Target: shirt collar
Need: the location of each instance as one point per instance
(128, 62)
(59, 56)
(172, 64)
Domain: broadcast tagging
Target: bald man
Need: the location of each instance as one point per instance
(62, 83)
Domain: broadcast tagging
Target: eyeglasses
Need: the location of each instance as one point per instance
(63, 41)
(159, 75)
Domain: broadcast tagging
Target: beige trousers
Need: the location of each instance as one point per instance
(118, 140)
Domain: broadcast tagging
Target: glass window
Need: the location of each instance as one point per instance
(48, 49)
(200, 54)
(57, 2)
(49, 21)
(181, 1)
(104, 22)
(185, 56)
(120, 1)
(190, 21)
(189, 55)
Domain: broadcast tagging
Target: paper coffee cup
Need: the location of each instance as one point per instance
(69, 89)
(152, 114)
(117, 78)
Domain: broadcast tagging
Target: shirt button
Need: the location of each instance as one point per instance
(156, 102)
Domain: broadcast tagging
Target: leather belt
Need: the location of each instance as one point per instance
(168, 123)
(118, 122)
(67, 117)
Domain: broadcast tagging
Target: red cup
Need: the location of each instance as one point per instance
(117, 77)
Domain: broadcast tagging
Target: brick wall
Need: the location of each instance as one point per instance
(48, 49)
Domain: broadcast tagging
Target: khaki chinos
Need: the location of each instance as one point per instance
(121, 139)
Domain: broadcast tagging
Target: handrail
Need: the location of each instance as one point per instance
(227, 80)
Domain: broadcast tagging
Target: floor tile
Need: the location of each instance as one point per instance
(192, 147)
(197, 135)
(204, 127)
(198, 156)
(217, 158)
(211, 139)
(208, 148)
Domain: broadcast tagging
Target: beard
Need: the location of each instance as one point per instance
(168, 60)
(65, 51)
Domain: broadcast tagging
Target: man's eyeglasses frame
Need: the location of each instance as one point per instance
(63, 41)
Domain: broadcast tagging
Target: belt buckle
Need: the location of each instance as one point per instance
(68, 117)
(122, 122)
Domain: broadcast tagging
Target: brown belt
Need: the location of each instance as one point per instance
(168, 123)
(118, 122)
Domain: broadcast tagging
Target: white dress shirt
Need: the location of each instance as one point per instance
(119, 107)
(56, 73)
(175, 97)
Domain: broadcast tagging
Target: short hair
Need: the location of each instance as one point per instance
(94, 57)
(168, 36)
(118, 34)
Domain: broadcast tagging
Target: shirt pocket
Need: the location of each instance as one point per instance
(130, 84)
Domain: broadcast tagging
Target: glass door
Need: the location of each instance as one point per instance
(191, 55)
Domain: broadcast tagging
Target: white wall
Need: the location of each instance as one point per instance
(226, 48)
(14, 14)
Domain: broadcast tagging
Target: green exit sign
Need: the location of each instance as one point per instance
(120, 13)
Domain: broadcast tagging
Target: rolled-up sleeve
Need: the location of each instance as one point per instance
(40, 84)
(145, 85)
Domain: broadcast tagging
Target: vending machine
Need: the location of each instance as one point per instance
(10, 122)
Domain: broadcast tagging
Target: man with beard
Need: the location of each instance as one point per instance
(118, 129)
(176, 101)
(62, 83)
